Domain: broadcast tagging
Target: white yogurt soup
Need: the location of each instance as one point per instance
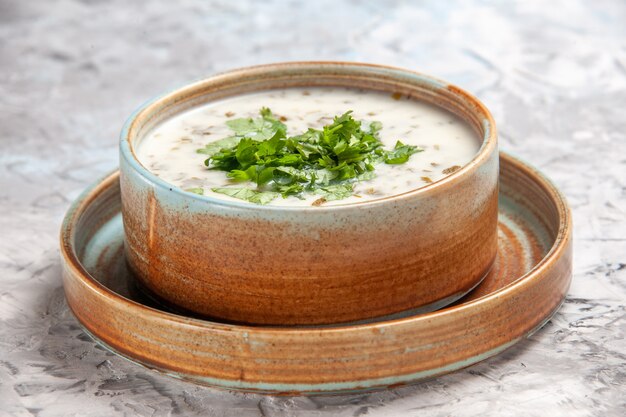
(444, 143)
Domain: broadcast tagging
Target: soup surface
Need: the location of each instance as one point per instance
(442, 143)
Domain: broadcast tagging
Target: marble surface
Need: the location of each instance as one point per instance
(553, 73)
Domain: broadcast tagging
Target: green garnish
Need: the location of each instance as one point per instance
(400, 154)
(325, 162)
(258, 197)
(335, 192)
(195, 190)
(214, 147)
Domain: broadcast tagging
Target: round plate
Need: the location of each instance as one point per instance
(526, 286)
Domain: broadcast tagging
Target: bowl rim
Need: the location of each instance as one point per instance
(560, 245)
(487, 148)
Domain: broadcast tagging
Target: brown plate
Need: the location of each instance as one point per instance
(525, 288)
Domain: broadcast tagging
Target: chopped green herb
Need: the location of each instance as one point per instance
(336, 192)
(326, 161)
(400, 153)
(258, 197)
(212, 148)
(262, 128)
(195, 190)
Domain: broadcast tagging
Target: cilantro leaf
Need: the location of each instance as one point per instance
(258, 197)
(367, 175)
(375, 127)
(294, 189)
(196, 190)
(261, 128)
(212, 148)
(326, 161)
(400, 153)
(336, 192)
(255, 173)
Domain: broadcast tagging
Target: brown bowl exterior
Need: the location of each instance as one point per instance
(281, 265)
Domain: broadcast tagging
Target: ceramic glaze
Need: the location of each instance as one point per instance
(282, 265)
(448, 142)
(526, 286)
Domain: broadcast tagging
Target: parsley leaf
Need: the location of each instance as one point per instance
(325, 161)
(262, 128)
(197, 190)
(258, 197)
(336, 192)
(400, 153)
(212, 148)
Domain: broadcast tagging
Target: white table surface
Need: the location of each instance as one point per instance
(553, 74)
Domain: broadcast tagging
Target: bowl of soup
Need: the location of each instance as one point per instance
(310, 193)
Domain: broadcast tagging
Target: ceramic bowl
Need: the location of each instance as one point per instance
(245, 263)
